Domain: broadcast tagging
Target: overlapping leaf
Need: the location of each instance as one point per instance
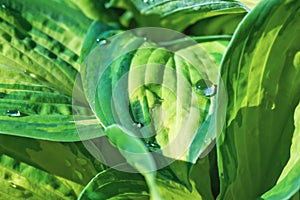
(177, 15)
(22, 181)
(263, 92)
(39, 59)
(131, 186)
(150, 75)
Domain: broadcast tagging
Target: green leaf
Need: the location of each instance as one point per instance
(131, 186)
(295, 147)
(263, 92)
(69, 160)
(288, 186)
(39, 63)
(146, 72)
(177, 15)
(289, 180)
(22, 181)
(95, 9)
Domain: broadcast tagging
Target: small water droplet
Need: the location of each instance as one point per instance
(152, 145)
(145, 38)
(102, 41)
(3, 6)
(30, 74)
(13, 185)
(13, 113)
(81, 161)
(138, 124)
(205, 87)
(270, 105)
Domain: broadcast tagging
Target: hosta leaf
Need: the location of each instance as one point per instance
(177, 15)
(216, 25)
(131, 186)
(68, 160)
(288, 186)
(24, 99)
(295, 147)
(55, 19)
(38, 63)
(289, 180)
(263, 92)
(96, 10)
(144, 75)
(22, 181)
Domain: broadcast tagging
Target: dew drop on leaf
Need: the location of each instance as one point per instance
(13, 185)
(138, 124)
(102, 41)
(205, 87)
(3, 6)
(15, 113)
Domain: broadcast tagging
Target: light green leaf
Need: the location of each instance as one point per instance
(177, 15)
(22, 181)
(263, 92)
(250, 3)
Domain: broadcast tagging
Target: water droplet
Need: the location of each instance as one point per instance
(152, 145)
(206, 88)
(270, 105)
(3, 6)
(30, 74)
(138, 124)
(13, 113)
(102, 41)
(81, 161)
(13, 185)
